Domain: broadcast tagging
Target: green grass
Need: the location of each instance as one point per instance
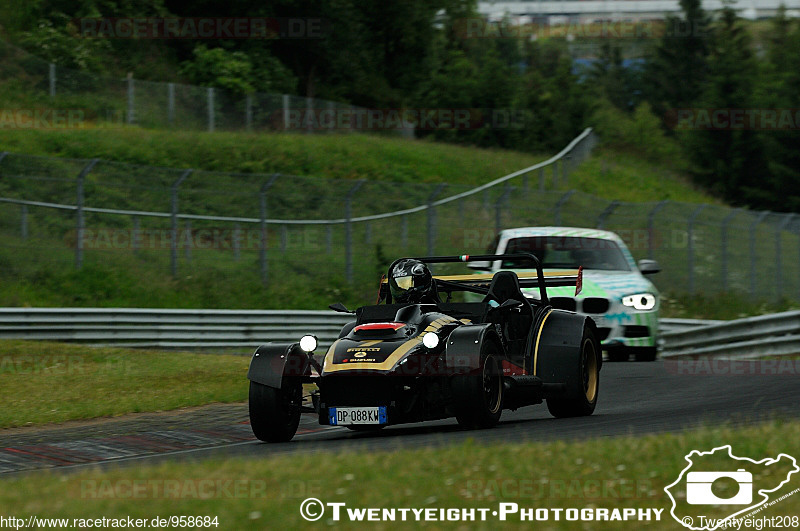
(44, 382)
(267, 492)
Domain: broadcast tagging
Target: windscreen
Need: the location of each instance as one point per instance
(567, 252)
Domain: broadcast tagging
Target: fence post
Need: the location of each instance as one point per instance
(309, 114)
(565, 169)
(173, 258)
(131, 109)
(24, 222)
(329, 239)
(348, 231)
(555, 175)
(651, 217)
(262, 252)
(136, 236)
(286, 112)
(248, 112)
(284, 237)
(690, 255)
(52, 75)
(171, 103)
(368, 233)
(80, 221)
(210, 98)
(498, 208)
(724, 236)
(601, 219)
(559, 204)
(187, 241)
(404, 232)
(237, 244)
(432, 217)
(787, 218)
(753, 227)
(541, 179)
(525, 186)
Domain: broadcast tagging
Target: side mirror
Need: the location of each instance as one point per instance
(649, 267)
(511, 303)
(339, 307)
(480, 266)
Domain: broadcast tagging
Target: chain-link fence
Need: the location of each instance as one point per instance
(69, 213)
(92, 100)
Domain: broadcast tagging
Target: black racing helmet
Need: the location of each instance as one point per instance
(410, 280)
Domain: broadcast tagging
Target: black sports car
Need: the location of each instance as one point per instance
(414, 357)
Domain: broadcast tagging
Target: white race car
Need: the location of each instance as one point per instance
(615, 292)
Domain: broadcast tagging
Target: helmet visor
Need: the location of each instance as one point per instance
(404, 283)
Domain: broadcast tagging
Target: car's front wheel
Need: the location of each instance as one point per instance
(478, 396)
(275, 413)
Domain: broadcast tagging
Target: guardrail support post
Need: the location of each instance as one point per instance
(79, 211)
(432, 218)
(559, 204)
(787, 218)
(724, 236)
(173, 259)
(753, 227)
(690, 255)
(262, 252)
(601, 219)
(498, 208)
(651, 216)
(348, 231)
(237, 242)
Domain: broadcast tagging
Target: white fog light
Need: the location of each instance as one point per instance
(308, 343)
(430, 340)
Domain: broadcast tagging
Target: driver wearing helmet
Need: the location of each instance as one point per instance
(411, 282)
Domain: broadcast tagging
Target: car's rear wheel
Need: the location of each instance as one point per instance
(582, 399)
(275, 413)
(478, 396)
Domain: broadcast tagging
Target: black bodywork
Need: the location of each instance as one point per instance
(532, 351)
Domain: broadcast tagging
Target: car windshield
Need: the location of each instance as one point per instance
(568, 252)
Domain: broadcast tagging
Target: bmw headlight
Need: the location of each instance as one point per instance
(430, 340)
(308, 343)
(640, 301)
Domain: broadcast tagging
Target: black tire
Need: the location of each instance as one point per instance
(581, 400)
(645, 353)
(275, 413)
(478, 397)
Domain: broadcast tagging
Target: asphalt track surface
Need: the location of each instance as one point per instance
(635, 398)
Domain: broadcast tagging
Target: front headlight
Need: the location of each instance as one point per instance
(430, 340)
(308, 343)
(640, 301)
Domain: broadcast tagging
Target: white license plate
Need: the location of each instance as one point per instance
(344, 416)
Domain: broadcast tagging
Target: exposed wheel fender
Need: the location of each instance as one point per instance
(346, 329)
(557, 351)
(463, 351)
(272, 361)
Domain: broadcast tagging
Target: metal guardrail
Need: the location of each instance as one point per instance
(162, 328)
(766, 335)
(752, 337)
